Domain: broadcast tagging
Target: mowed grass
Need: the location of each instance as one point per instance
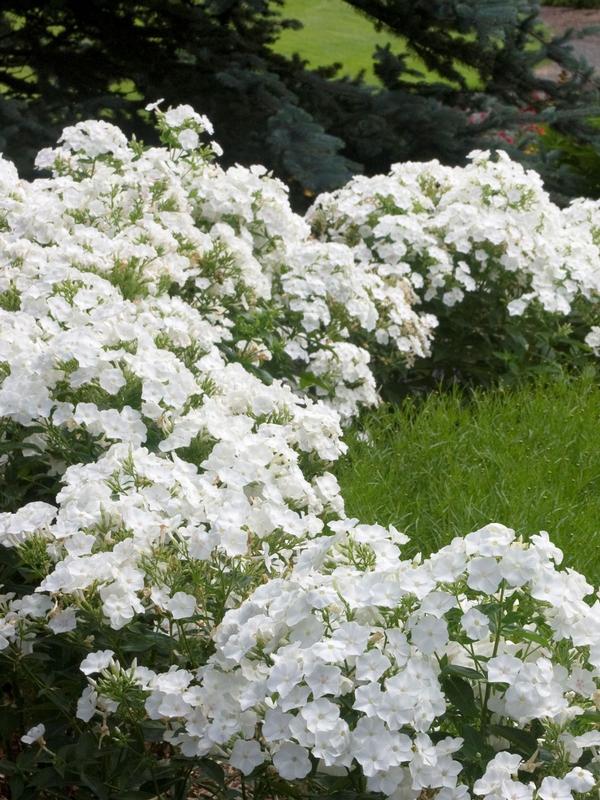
(529, 458)
(334, 32)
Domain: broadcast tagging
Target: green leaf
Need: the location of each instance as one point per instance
(17, 787)
(46, 777)
(524, 635)
(7, 767)
(525, 742)
(87, 747)
(57, 699)
(463, 672)
(37, 656)
(474, 745)
(95, 785)
(308, 379)
(460, 694)
(27, 758)
(140, 642)
(213, 771)
(153, 730)
(9, 447)
(490, 609)
(593, 716)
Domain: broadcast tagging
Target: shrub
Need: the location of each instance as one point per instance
(182, 590)
(175, 234)
(471, 673)
(511, 279)
(583, 160)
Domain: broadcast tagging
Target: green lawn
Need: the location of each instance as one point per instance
(335, 32)
(529, 458)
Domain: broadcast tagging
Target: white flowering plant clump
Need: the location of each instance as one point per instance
(174, 233)
(182, 598)
(512, 279)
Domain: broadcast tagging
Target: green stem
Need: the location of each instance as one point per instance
(488, 687)
(46, 689)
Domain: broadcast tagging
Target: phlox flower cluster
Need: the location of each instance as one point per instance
(349, 663)
(488, 228)
(153, 442)
(162, 240)
(177, 355)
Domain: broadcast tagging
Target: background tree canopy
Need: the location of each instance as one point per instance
(63, 61)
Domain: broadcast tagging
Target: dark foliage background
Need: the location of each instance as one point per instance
(66, 60)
